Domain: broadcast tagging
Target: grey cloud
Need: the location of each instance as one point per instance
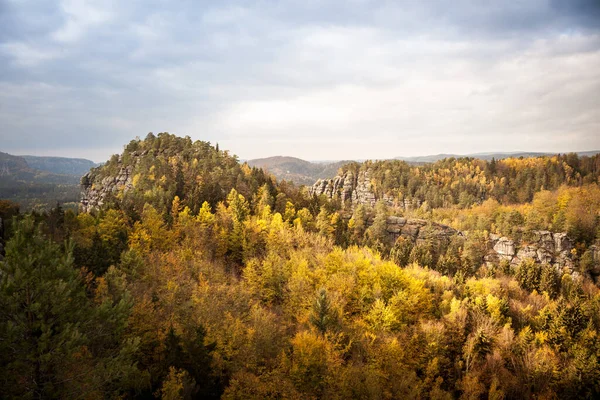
(580, 12)
(97, 76)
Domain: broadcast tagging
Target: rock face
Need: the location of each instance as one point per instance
(418, 229)
(542, 248)
(545, 247)
(94, 194)
(562, 242)
(353, 189)
(505, 248)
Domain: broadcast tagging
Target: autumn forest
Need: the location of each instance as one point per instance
(186, 274)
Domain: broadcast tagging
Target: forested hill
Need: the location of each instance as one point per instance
(161, 167)
(43, 169)
(458, 182)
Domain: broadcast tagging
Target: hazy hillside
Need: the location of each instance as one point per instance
(486, 156)
(17, 168)
(297, 170)
(60, 165)
(35, 188)
(10, 165)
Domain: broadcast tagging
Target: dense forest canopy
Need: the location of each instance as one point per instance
(191, 275)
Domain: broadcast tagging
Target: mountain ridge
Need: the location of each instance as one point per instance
(32, 187)
(489, 155)
(60, 165)
(297, 170)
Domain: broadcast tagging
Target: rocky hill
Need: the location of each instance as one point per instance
(159, 168)
(455, 182)
(355, 187)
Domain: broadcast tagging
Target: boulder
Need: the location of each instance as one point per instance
(394, 228)
(393, 220)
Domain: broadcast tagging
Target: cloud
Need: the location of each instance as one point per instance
(80, 17)
(27, 55)
(313, 79)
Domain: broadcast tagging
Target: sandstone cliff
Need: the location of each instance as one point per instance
(354, 188)
(418, 230)
(95, 190)
(544, 247)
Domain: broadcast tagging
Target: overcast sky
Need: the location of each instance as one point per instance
(308, 78)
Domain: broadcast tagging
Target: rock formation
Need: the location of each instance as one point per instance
(418, 229)
(352, 189)
(94, 193)
(545, 247)
(504, 247)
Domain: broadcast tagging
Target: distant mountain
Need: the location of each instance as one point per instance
(10, 164)
(60, 165)
(35, 188)
(486, 156)
(16, 168)
(294, 169)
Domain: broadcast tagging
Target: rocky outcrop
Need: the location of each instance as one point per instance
(545, 247)
(562, 242)
(352, 189)
(95, 192)
(418, 229)
(504, 247)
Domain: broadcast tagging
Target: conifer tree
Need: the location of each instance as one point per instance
(50, 346)
(322, 317)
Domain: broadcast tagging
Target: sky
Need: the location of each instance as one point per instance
(315, 79)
